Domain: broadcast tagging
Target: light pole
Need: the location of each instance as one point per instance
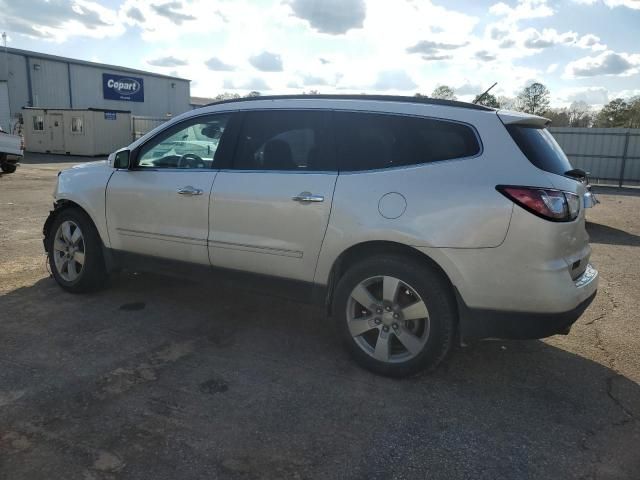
(6, 76)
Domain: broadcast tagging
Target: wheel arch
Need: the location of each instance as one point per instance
(360, 251)
(58, 207)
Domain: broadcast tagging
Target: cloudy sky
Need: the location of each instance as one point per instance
(581, 49)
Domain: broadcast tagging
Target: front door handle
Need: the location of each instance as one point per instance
(189, 190)
(307, 197)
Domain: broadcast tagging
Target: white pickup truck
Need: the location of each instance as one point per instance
(11, 149)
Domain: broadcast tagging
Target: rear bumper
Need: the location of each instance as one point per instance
(476, 323)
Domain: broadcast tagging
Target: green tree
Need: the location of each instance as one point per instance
(253, 94)
(534, 99)
(633, 117)
(488, 101)
(443, 92)
(559, 117)
(613, 114)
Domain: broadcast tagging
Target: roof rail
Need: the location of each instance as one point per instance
(384, 98)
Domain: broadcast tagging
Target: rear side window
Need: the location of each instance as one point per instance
(539, 146)
(295, 140)
(368, 141)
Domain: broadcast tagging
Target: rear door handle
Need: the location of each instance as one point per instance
(189, 191)
(305, 197)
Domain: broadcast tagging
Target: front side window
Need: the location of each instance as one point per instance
(38, 123)
(191, 144)
(370, 141)
(77, 125)
(291, 140)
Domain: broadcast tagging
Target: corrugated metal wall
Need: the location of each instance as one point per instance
(610, 154)
(160, 97)
(18, 85)
(49, 82)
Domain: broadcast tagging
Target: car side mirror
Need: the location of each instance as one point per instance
(121, 160)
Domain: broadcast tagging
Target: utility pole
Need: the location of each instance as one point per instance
(6, 76)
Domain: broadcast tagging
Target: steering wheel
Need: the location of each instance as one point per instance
(190, 160)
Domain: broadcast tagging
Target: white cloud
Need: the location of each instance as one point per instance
(58, 20)
(552, 68)
(266, 62)
(215, 64)
(254, 83)
(591, 41)
(524, 10)
(606, 63)
(591, 95)
(330, 16)
(626, 94)
(167, 61)
(633, 4)
(548, 37)
(394, 80)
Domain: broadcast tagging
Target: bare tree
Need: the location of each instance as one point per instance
(507, 103)
(534, 99)
(488, 101)
(580, 114)
(226, 96)
(443, 92)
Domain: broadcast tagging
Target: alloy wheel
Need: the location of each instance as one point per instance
(388, 319)
(69, 250)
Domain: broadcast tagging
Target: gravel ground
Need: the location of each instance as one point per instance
(161, 378)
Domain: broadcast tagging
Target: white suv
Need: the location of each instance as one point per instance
(413, 221)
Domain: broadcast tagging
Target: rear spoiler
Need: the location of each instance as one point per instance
(509, 117)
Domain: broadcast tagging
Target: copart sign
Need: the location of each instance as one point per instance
(118, 87)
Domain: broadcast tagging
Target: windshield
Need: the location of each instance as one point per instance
(540, 148)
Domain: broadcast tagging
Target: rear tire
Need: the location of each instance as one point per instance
(395, 316)
(75, 252)
(6, 166)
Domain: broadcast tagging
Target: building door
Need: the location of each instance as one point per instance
(56, 130)
(5, 114)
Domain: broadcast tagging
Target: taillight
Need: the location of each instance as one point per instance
(550, 204)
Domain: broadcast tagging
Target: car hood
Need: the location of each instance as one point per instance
(99, 164)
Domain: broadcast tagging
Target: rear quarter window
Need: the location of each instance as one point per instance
(369, 141)
(539, 146)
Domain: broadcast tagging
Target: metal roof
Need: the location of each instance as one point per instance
(384, 98)
(74, 61)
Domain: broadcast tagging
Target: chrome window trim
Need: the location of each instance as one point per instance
(338, 171)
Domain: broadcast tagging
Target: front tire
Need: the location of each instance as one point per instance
(75, 252)
(396, 316)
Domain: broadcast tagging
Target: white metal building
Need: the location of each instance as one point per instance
(32, 79)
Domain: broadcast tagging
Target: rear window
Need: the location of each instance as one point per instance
(540, 148)
(369, 141)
